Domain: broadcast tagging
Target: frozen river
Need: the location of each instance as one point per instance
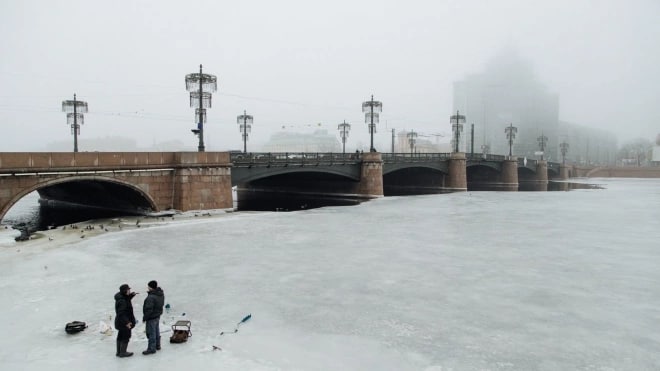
(464, 281)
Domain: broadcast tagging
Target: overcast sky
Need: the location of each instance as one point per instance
(295, 64)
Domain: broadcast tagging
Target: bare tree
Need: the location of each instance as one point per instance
(638, 150)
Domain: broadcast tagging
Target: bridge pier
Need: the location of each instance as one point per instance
(564, 172)
(202, 188)
(457, 177)
(509, 175)
(371, 176)
(541, 177)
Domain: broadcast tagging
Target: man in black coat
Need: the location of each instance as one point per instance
(152, 310)
(124, 319)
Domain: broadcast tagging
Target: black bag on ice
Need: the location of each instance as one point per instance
(74, 327)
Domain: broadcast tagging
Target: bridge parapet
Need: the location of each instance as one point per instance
(183, 159)
(268, 159)
(389, 158)
(38, 162)
(486, 157)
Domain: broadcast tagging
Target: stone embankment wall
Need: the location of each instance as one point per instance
(620, 172)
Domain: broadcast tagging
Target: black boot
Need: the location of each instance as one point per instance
(158, 343)
(122, 350)
(118, 348)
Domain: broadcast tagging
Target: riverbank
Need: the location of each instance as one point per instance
(72, 233)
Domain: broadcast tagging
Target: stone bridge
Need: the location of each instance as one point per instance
(140, 182)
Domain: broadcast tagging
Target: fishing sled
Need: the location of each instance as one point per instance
(180, 332)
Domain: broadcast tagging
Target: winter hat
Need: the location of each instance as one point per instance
(153, 284)
(124, 287)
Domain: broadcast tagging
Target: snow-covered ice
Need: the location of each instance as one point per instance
(471, 281)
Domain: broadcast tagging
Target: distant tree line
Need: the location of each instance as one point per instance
(636, 152)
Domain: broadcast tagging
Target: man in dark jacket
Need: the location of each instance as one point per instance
(152, 310)
(124, 319)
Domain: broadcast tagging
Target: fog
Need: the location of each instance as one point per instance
(300, 65)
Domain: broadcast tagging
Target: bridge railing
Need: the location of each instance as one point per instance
(484, 157)
(414, 157)
(293, 158)
(527, 162)
(554, 166)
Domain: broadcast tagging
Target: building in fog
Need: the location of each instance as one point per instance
(507, 92)
(318, 141)
(423, 143)
(588, 146)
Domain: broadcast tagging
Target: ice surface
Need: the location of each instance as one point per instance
(469, 281)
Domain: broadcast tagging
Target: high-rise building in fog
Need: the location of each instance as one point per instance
(507, 92)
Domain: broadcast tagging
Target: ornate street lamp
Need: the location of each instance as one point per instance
(542, 139)
(74, 117)
(457, 122)
(200, 85)
(412, 139)
(510, 135)
(371, 111)
(244, 126)
(564, 150)
(344, 128)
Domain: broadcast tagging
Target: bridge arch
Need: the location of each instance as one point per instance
(415, 178)
(497, 166)
(389, 168)
(591, 172)
(297, 188)
(65, 188)
(526, 172)
(13, 200)
(483, 172)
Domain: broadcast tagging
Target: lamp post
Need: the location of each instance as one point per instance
(344, 128)
(510, 135)
(244, 126)
(457, 121)
(564, 150)
(74, 117)
(372, 109)
(542, 139)
(200, 85)
(412, 139)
